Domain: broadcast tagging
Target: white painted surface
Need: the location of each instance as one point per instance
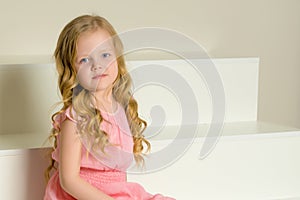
(239, 77)
(257, 168)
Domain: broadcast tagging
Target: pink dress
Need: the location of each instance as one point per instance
(106, 174)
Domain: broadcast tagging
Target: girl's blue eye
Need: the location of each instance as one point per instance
(84, 60)
(106, 55)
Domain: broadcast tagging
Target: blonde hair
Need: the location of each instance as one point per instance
(81, 100)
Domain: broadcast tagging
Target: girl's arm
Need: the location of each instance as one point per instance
(69, 165)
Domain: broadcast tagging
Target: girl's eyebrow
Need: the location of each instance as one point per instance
(106, 49)
(82, 56)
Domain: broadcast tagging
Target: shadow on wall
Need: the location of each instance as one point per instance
(27, 94)
(16, 102)
(37, 162)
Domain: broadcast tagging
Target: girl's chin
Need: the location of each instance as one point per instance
(101, 89)
(97, 87)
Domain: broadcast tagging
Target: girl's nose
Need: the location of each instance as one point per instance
(96, 66)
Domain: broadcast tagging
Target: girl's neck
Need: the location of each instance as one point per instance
(105, 101)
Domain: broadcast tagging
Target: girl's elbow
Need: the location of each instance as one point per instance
(66, 183)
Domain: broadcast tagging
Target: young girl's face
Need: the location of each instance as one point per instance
(96, 62)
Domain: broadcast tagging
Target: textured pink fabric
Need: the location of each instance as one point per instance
(116, 126)
(106, 174)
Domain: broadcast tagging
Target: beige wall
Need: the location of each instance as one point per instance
(269, 29)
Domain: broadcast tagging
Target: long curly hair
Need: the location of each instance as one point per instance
(81, 100)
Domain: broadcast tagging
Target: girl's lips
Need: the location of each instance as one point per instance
(99, 76)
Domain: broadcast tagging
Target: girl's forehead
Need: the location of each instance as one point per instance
(91, 40)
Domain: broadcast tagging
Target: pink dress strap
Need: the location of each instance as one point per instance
(67, 114)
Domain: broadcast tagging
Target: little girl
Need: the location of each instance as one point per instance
(98, 132)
